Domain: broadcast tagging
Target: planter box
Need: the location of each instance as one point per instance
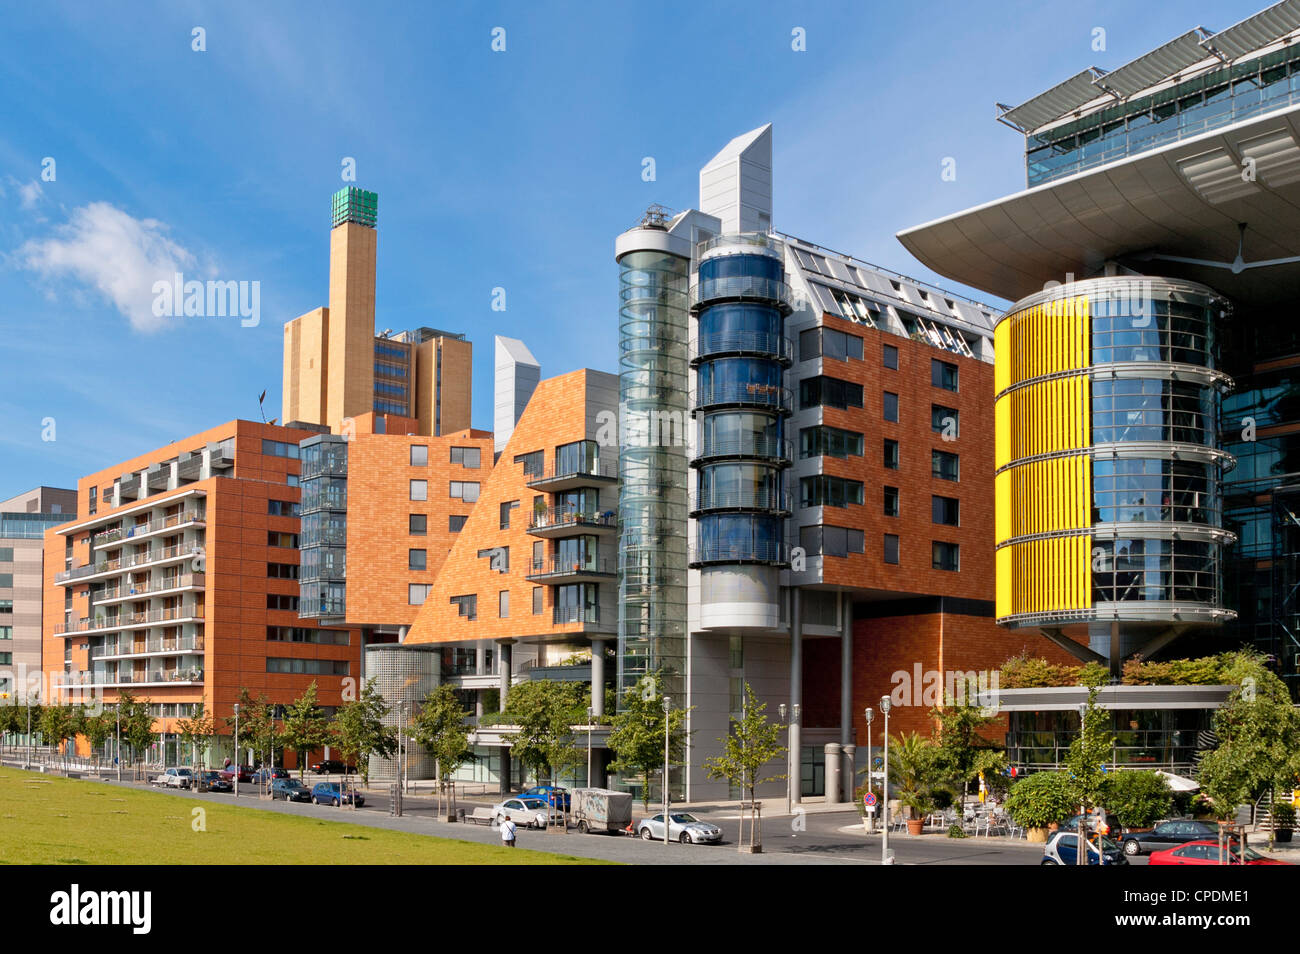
(1282, 834)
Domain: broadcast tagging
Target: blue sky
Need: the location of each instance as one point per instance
(513, 169)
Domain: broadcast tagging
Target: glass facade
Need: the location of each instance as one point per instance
(322, 575)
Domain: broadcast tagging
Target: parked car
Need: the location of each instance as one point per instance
(682, 826)
(264, 775)
(551, 794)
(1063, 849)
(1207, 853)
(245, 774)
(599, 809)
(528, 812)
(213, 782)
(328, 766)
(291, 790)
(1112, 824)
(1168, 834)
(174, 778)
(332, 793)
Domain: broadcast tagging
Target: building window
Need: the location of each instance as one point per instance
(280, 449)
(282, 571)
(889, 357)
(891, 454)
(417, 525)
(822, 441)
(533, 462)
(417, 593)
(466, 490)
(891, 548)
(943, 375)
(829, 343)
(466, 605)
(6, 554)
(301, 634)
(276, 539)
(506, 507)
(465, 456)
(823, 391)
(944, 466)
(6, 606)
(944, 420)
(417, 559)
(419, 455)
(503, 604)
(891, 406)
(826, 491)
(281, 508)
(945, 510)
(537, 600)
(944, 556)
(455, 522)
(891, 501)
(830, 541)
(419, 490)
(315, 667)
(281, 601)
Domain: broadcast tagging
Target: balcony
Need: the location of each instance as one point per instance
(742, 344)
(557, 571)
(741, 288)
(742, 501)
(168, 584)
(192, 613)
(152, 557)
(769, 397)
(154, 646)
(157, 677)
(767, 449)
(591, 474)
(118, 534)
(755, 552)
(562, 522)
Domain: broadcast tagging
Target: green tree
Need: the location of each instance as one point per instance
(256, 723)
(637, 734)
(439, 728)
(1041, 799)
(1086, 761)
(196, 733)
(55, 725)
(305, 727)
(96, 729)
(962, 752)
(1138, 798)
(10, 722)
(137, 724)
(752, 743)
(360, 731)
(545, 711)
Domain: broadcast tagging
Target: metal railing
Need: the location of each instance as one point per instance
(130, 561)
(178, 582)
(743, 342)
(605, 470)
(119, 620)
(155, 676)
(766, 448)
(105, 537)
(575, 614)
(742, 288)
(757, 551)
(562, 516)
(755, 395)
(768, 500)
(184, 644)
(558, 567)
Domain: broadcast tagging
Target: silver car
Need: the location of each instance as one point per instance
(527, 812)
(682, 826)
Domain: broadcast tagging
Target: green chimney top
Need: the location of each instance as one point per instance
(354, 205)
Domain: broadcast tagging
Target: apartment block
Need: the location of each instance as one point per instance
(23, 522)
(180, 583)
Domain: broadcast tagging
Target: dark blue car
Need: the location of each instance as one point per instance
(551, 794)
(331, 793)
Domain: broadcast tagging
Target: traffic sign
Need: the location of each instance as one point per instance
(869, 799)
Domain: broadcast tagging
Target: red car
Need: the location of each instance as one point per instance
(1207, 853)
(245, 774)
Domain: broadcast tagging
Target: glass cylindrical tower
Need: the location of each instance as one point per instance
(740, 404)
(653, 384)
(1108, 500)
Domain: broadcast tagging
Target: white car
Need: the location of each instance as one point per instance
(175, 778)
(682, 826)
(526, 812)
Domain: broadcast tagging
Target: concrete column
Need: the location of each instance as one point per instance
(834, 756)
(796, 695)
(846, 675)
(849, 777)
(480, 658)
(598, 677)
(504, 659)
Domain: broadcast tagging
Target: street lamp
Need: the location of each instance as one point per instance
(885, 858)
(871, 716)
(236, 741)
(117, 745)
(667, 704)
(591, 713)
(783, 710)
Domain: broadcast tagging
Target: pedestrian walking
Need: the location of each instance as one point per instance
(508, 833)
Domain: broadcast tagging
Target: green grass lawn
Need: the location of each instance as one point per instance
(50, 820)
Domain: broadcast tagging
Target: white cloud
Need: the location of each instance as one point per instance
(29, 194)
(119, 256)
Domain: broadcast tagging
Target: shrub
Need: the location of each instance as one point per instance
(1283, 816)
(956, 831)
(1035, 672)
(1040, 799)
(1138, 798)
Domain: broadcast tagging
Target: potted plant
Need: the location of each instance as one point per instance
(912, 763)
(1283, 818)
(1039, 802)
